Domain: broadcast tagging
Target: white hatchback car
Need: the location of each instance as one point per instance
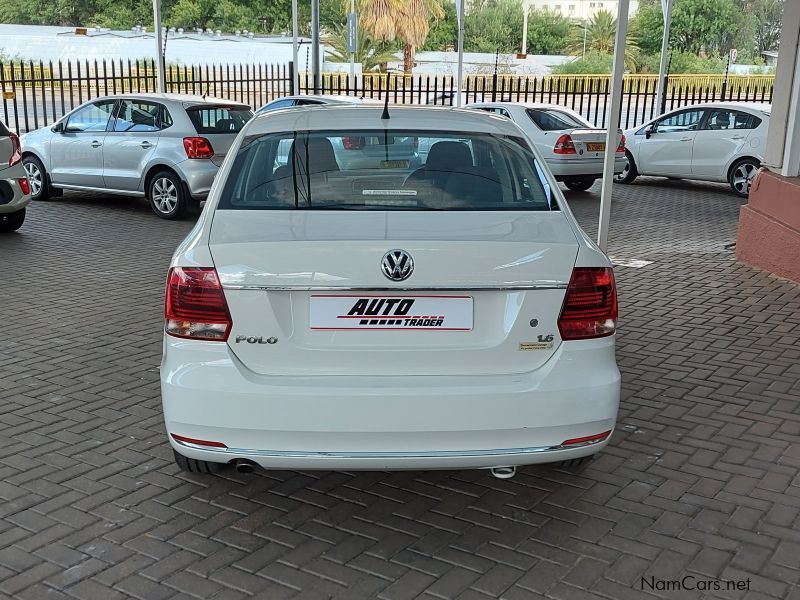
(572, 147)
(452, 315)
(715, 141)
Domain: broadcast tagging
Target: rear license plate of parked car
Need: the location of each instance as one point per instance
(596, 147)
(394, 164)
(354, 312)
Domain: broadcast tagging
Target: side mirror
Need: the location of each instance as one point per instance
(59, 127)
(651, 129)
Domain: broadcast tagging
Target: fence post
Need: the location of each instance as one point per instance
(292, 91)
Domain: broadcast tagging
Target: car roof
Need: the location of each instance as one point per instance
(329, 98)
(542, 105)
(369, 117)
(753, 106)
(170, 97)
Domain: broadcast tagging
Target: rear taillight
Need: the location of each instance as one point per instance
(195, 305)
(353, 142)
(590, 305)
(24, 185)
(198, 147)
(564, 145)
(16, 155)
(621, 147)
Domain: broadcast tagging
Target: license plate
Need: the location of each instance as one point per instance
(403, 313)
(394, 164)
(596, 147)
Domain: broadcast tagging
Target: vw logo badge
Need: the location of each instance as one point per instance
(397, 265)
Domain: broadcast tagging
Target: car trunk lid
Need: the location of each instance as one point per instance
(501, 276)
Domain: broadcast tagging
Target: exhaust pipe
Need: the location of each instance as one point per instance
(242, 465)
(504, 472)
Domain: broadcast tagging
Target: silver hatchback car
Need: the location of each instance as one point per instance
(165, 147)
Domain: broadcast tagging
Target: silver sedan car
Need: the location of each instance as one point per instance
(165, 147)
(14, 188)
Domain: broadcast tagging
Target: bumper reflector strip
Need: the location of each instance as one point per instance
(187, 440)
(586, 441)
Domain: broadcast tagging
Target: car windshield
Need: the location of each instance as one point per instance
(553, 120)
(384, 170)
(219, 119)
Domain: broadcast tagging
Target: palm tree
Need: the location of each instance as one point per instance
(599, 34)
(372, 55)
(406, 20)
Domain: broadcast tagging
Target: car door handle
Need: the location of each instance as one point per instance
(686, 139)
(96, 144)
(738, 137)
(146, 145)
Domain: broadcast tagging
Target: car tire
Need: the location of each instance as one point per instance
(629, 173)
(12, 221)
(741, 176)
(579, 184)
(37, 177)
(167, 196)
(190, 465)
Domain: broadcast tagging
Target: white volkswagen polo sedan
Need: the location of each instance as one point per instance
(393, 316)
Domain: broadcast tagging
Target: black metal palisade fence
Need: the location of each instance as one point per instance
(36, 94)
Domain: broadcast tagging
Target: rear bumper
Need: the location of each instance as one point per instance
(423, 422)
(582, 167)
(11, 197)
(198, 174)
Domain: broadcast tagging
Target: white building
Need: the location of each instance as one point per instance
(580, 9)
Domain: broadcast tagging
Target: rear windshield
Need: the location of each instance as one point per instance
(219, 119)
(553, 120)
(385, 170)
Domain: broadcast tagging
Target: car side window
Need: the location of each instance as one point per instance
(308, 102)
(686, 120)
(91, 118)
(721, 119)
(137, 116)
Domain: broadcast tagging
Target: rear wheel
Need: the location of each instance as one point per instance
(12, 221)
(168, 199)
(37, 177)
(629, 172)
(742, 174)
(190, 465)
(579, 184)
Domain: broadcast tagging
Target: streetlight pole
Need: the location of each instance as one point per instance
(460, 74)
(666, 7)
(296, 76)
(351, 38)
(315, 44)
(162, 84)
(584, 36)
(613, 124)
(525, 7)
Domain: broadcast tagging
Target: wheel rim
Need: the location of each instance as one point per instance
(743, 177)
(34, 177)
(625, 170)
(165, 195)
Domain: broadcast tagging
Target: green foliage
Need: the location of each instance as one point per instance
(594, 62)
(444, 31)
(648, 27)
(548, 32)
(684, 62)
(498, 25)
(372, 55)
(598, 34)
(707, 25)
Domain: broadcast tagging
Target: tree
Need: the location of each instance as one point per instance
(444, 31)
(598, 34)
(548, 32)
(372, 55)
(406, 20)
(495, 26)
(706, 25)
(768, 15)
(647, 26)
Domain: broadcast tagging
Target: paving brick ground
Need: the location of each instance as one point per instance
(701, 478)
